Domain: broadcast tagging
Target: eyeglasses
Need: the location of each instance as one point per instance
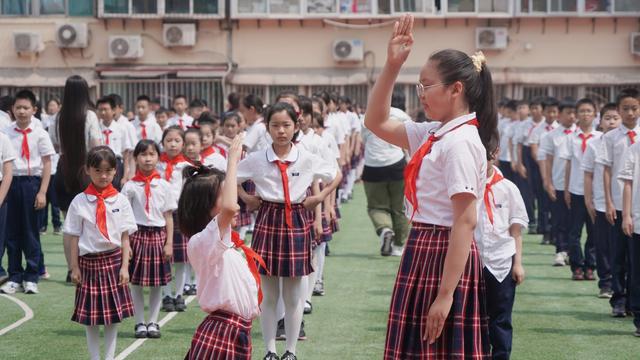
(420, 89)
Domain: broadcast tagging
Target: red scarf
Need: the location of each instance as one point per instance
(147, 185)
(412, 170)
(168, 171)
(584, 140)
(568, 131)
(282, 166)
(252, 257)
(143, 133)
(631, 134)
(207, 152)
(106, 133)
(488, 191)
(221, 150)
(25, 147)
(101, 209)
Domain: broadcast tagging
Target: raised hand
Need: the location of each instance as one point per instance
(401, 41)
(235, 149)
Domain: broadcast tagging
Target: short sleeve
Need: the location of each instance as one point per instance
(322, 170)
(7, 153)
(605, 155)
(45, 146)
(517, 209)
(252, 137)
(127, 221)
(92, 131)
(546, 145)
(131, 133)
(629, 161)
(127, 191)
(589, 159)
(417, 134)
(207, 247)
(245, 169)
(463, 173)
(170, 201)
(566, 148)
(73, 220)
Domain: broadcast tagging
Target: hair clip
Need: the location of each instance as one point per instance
(478, 60)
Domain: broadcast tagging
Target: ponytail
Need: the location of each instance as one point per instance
(485, 107)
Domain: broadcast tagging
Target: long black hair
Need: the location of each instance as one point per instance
(200, 192)
(454, 65)
(71, 125)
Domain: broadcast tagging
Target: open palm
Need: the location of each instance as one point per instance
(401, 41)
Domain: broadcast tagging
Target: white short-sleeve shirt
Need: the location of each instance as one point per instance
(131, 130)
(555, 144)
(311, 142)
(529, 131)
(379, 153)
(39, 146)
(540, 131)
(304, 168)
(574, 153)
(154, 132)
(614, 145)
(175, 182)
(5, 120)
(161, 201)
(119, 140)
(505, 128)
(495, 243)
(330, 146)
(590, 165)
(81, 221)
(256, 137)
(630, 171)
(456, 164)
(186, 122)
(7, 153)
(334, 125)
(216, 161)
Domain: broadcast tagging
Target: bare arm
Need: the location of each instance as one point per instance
(588, 195)
(41, 197)
(229, 206)
(76, 276)
(515, 231)
(534, 150)
(7, 176)
(627, 219)
(126, 255)
(608, 197)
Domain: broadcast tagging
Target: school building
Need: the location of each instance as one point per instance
(208, 48)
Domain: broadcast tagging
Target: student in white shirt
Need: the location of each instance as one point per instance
(501, 219)
(7, 155)
(282, 235)
(115, 137)
(551, 146)
(144, 122)
(181, 118)
(5, 119)
(256, 135)
(128, 125)
(505, 129)
(210, 153)
(582, 264)
(50, 124)
(594, 200)
(614, 145)
(27, 195)
(151, 246)
(99, 222)
(529, 169)
(443, 183)
(162, 118)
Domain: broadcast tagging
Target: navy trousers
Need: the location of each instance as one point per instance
(23, 237)
(505, 168)
(620, 264)
(578, 218)
(500, 299)
(634, 275)
(526, 186)
(560, 222)
(55, 210)
(602, 235)
(3, 234)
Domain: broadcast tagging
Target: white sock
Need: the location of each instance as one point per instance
(189, 276)
(292, 295)
(155, 300)
(268, 317)
(180, 277)
(138, 303)
(320, 260)
(166, 291)
(280, 306)
(93, 341)
(110, 337)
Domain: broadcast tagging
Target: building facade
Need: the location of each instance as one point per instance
(206, 48)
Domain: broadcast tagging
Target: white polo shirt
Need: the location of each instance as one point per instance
(456, 164)
(505, 128)
(130, 129)
(39, 146)
(303, 169)
(573, 152)
(81, 221)
(154, 132)
(630, 171)
(554, 143)
(540, 131)
(590, 165)
(118, 137)
(216, 161)
(7, 153)
(256, 137)
(183, 121)
(160, 201)
(379, 153)
(334, 125)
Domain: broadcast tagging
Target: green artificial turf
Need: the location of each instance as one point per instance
(554, 317)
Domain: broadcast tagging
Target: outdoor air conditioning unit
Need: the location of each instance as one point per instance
(179, 34)
(348, 50)
(27, 42)
(72, 35)
(635, 43)
(491, 38)
(125, 47)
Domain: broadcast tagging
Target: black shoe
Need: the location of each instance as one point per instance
(68, 281)
(192, 290)
(186, 289)
(618, 311)
(327, 252)
(168, 305)
(57, 231)
(271, 356)
(288, 356)
(308, 308)
(637, 333)
(4, 278)
(280, 333)
(178, 302)
(546, 239)
(387, 239)
(153, 331)
(302, 336)
(140, 331)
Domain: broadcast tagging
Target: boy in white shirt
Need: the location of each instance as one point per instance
(128, 125)
(7, 155)
(145, 123)
(505, 128)
(115, 137)
(27, 195)
(181, 118)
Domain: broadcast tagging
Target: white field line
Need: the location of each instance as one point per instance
(28, 314)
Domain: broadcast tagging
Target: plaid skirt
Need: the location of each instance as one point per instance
(327, 232)
(179, 243)
(221, 336)
(285, 251)
(465, 334)
(99, 298)
(148, 267)
(244, 217)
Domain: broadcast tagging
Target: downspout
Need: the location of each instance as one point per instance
(228, 27)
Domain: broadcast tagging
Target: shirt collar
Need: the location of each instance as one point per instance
(93, 198)
(291, 157)
(31, 126)
(453, 123)
(110, 127)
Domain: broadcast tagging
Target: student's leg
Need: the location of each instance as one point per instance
(602, 236)
(590, 244)
(378, 205)
(500, 298)
(554, 206)
(31, 240)
(634, 275)
(110, 337)
(562, 222)
(14, 230)
(180, 277)
(93, 341)
(292, 292)
(577, 214)
(268, 317)
(55, 209)
(138, 303)
(619, 264)
(155, 300)
(3, 235)
(400, 221)
(321, 257)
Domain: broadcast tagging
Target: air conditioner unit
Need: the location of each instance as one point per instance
(72, 35)
(27, 42)
(348, 50)
(125, 47)
(635, 43)
(179, 34)
(491, 38)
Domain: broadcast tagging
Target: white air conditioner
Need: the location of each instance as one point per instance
(125, 47)
(27, 42)
(348, 50)
(635, 43)
(72, 35)
(179, 34)
(491, 38)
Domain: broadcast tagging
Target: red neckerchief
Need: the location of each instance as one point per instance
(101, 209)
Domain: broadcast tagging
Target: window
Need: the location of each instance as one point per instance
(357, 93)
(356, 7)
(16, 7)
(284, 6)
(408, 5)
(144, 6)
(79, 8)
(493, 6)
(561, 92)
(244, 90)
(252, 6)
(597, 6)
(116, 6)
(52, 7)
(321, 6)
(461, 6)
(205, 7)
(158, 8)
(627, 6)
(534, 91)
(177, 7)
(564, 6)
(599, 94)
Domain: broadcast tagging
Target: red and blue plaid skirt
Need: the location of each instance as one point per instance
(327, 233)
(285, 251)
(179, 243)
(100, 300)
(244, 217)
(221, 336)
(465, 334)
(147, 266)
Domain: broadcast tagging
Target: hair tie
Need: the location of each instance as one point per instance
(478, 60)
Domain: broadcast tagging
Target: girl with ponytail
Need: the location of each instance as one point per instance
(437, 309)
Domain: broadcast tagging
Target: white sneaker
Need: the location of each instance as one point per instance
(396, 250)
(567, 261)
(11, 288)
(559, 259)
(30, 287)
